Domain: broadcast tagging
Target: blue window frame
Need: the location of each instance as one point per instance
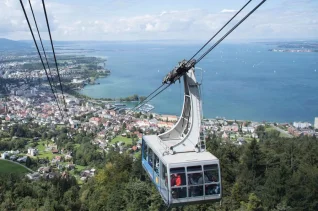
(147, 158)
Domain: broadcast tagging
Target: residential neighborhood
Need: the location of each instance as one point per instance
(112, 128)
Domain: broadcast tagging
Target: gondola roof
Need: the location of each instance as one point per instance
(160, 149)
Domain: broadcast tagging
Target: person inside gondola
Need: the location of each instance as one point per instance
(156, 165)
(173, 180)
(191, 180)
(212, 188)
(206, 179)
(174, 191)
(176, 181)
(214, 179)
(194, 189)
(216, 189)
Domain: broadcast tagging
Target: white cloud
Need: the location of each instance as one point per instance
(228, 11)
(74, 23)
(13, 22)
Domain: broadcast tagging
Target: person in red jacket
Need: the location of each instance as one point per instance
(178, 180)
(175, 182)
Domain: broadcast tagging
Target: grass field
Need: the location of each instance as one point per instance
(42, 151)
(282, 135)
(81, 168)
(8, 167)
(41, 145)
(121, 138)
(60, 126)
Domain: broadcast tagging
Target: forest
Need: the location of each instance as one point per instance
(274, 173)
(132, 98)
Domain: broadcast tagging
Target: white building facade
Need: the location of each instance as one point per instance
(301, 125)
(316, 123)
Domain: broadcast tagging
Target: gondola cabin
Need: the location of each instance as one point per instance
(182, 178)
(177, 161)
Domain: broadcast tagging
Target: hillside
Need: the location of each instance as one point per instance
(272, 174)
(10, 167)
(6, 44)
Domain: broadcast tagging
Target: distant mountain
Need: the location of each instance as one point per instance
(6, 44)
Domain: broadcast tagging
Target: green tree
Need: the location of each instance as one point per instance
(44, 136)
(136, 195)
(253, 159)
(28, 162)
(254, 203)
(260, 131)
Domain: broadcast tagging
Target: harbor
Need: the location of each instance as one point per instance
(146, 108)
(120, 107)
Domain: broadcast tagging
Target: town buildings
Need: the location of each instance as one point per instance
(301, 125)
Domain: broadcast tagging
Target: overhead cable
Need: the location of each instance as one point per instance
(178, 75)
(146, 101)
(230, 31)
(219, 30)
(147, 97)
(36, 45)
(47, 63)
(56, 65)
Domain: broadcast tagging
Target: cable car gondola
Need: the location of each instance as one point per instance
(177, 161)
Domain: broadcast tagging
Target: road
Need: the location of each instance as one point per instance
(282, 131)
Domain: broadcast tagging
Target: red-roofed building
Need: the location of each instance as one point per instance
(58, 158)
(95, 120)
(170, 118)
(233, 128)
(55, 151)
(170, 124)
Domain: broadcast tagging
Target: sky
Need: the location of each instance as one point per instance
(160, 20)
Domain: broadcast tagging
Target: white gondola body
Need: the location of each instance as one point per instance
(179, 155)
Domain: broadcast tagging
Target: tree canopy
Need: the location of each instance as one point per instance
(273, 173)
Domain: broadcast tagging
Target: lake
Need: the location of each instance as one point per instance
(240, 81)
